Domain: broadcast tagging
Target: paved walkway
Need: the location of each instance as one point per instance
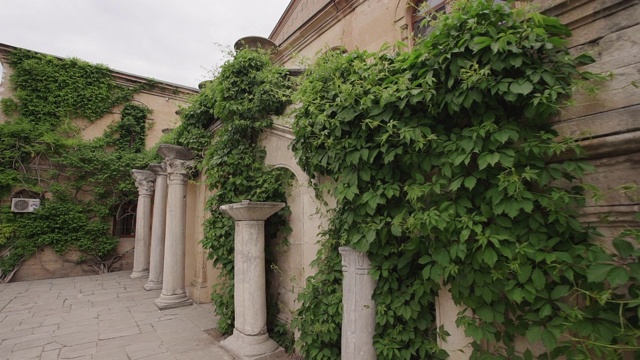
(99, 317)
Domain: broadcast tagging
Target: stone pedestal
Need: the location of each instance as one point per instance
(178, 164)
(156, 263)
(457, 343)
(250, 339)
(358, 308)
(144, 182)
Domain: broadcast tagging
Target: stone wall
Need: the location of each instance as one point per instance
(607, 124)
(46, 264)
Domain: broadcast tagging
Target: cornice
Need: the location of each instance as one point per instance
(311, 29)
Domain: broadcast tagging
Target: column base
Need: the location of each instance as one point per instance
(199, 292)
(258, 347)
(172, 301)
(153, 285)
(139, 274)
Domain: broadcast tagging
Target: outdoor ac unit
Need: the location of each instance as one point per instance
(24, 205)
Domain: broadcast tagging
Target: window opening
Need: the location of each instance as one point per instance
(124, 222)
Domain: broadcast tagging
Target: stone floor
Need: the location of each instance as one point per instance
(107, 317)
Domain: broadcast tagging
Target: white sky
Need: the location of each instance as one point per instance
(178, 41)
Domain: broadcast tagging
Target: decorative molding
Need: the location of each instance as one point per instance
(310, 29)
(178, 170)
(144, 181)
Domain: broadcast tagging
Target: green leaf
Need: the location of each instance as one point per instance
(485, 313)
(521, 87)
(523, 273)
(534, 333)
(617, 276)
(560, 291)
(480, 42)
(538, 279)
(623, 247)
(549, 339)
(470, 182)
(489, 256)
(598, 272)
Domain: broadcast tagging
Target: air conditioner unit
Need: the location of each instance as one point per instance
(24, 205)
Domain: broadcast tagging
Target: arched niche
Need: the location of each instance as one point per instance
(293, 262)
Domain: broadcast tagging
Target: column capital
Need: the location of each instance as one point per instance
(177, 169)
(168, 151)
(251, 211)
(352, 258)
(144, 181)
(158, 169)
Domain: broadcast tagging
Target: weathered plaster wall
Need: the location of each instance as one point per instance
(607, 123)
(164, 100)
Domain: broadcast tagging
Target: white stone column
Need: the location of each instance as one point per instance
(178, 164)
(250, 339)
(358, 307)
(156, 263)
(144, 182)
(457, 343)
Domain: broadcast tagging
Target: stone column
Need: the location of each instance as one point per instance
(250, 339)
(144, 182)
(178, 162)
(457, 343)
(156, 263)
(358, 307)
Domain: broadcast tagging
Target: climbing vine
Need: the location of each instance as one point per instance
(79, 182)
(247, 92)
(447, 172)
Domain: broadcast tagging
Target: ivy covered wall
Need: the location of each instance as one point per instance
(70, 132)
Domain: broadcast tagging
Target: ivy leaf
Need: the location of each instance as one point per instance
(489, 256)
(538, 279)
(524, 273)
(560, 291)
(549, 339)
(534, 333)
(617, 276)
(521, 87)
(480, 42)
(623, 247)
(598, 272)
(470, 182)
(485, 313)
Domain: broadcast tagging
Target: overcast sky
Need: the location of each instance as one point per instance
(178, 41)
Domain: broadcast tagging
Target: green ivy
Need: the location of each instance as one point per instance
(42, 152)
(446, 171)
(247, 92)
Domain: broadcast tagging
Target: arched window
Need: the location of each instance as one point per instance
(124, 222)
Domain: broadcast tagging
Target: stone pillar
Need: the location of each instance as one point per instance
(358, 307)
(178, 162)
(144, 182)
(250, 339)
(457, 343)
(156, 263)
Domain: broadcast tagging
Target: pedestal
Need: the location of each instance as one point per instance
(457, 343)
(156, 263)
(144, 182)
(358, 308)
(178, 164)
(250, 339)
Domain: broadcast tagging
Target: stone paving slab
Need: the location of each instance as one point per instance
(99, 317)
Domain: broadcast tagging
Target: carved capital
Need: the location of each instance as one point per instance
(354, 259)
(144, 181)
(168, 151)
(178, 170)
(158, 169)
